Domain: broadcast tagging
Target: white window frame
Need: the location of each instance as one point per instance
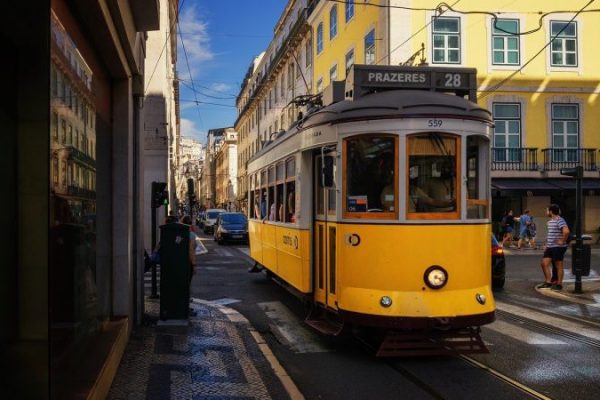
(374, 46)
(563, 39)
(346, 60)
(565, 135)
(509, 156)
(349, 10)
(446, 35)
(505, 37)
(563, 17)
(333, 73)
(333, 27)
(319, 42)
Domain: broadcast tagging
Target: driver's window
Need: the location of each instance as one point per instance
(433, 170)
(371, 177)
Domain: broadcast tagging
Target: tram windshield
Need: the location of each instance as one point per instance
(432, 176)
(371, 176)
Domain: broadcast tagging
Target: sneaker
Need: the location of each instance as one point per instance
(544, 285)
(556, 287)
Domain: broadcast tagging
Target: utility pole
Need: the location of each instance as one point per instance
(581, 253)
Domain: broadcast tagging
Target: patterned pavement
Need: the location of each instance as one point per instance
(216, 356)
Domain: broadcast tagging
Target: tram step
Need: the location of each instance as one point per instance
(317, 318)
(400, 344)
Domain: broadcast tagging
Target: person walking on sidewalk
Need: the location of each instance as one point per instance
(554, 251)
(525, 231)
(508, 223)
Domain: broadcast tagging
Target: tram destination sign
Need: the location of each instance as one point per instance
(363, 79)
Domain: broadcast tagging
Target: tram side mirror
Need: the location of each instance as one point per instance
(327, 172)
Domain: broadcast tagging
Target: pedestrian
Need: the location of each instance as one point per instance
(525, 221)
(554, 251)
(508, 223)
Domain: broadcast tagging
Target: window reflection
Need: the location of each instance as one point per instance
(432, 173)
(371, 173)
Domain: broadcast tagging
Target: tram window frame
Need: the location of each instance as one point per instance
(279, 191)
(263, 195)
(345, 175)
(271, 200)
(290, 189)
(478, 178)
(412, 174)
(251, 192)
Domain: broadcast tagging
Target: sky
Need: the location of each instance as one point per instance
(220, 39)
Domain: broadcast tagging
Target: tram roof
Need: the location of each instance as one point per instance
(398, 104)
(389, 104)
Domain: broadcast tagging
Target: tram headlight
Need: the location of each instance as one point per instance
(435, 277)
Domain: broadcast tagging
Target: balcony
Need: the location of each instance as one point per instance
(514, 159)
(557, 158)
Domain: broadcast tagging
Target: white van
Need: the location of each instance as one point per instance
(210, 217)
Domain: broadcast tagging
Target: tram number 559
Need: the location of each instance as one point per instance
(435, 123)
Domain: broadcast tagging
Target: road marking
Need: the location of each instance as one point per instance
(224, 301)
(244, 250)
(521, 334)
(505, 378)
(286, 326)
(582, 328)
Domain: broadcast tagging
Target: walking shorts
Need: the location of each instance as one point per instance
(555, 253)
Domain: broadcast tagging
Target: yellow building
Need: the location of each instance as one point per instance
(538, 73)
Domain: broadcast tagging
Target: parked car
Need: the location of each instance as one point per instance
(210, 217)
(231, 227)
(498, 264)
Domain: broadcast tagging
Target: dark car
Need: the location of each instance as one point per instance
(231, 227)
(498, 265)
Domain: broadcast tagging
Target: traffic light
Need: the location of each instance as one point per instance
(160, 194)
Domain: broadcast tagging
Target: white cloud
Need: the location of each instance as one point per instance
(188, 128)
(196, 40)
(221, 87)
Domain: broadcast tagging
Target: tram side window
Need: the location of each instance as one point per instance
(290, 191)
(371, 173)
(280, 176)
(433, 175)
(251, 201)
(477, 178)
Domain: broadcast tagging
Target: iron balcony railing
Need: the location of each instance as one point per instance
(557, 158)
(514, 158)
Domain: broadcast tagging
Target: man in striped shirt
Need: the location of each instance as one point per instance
(556, 246)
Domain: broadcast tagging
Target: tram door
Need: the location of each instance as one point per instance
(325, 227)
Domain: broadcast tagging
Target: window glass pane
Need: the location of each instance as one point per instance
(506, 111)
(558, 141)
(564, 111)
(499, 140)
(438, 41)
(557, 127)
(453, 42)
(370, 174)
(513, 57)
(500, 126)
(569, 45)
(513, 141)
(572, 127)
(506, 25)
(513, 126)
(432, 173)
(512, 43)
(438, 55)
(441, 24)
(453, 56)
(498, 43)
(571, 140)
(498, 57)
(571, 59)
(557, 45)
(557, 58)
(477, 178)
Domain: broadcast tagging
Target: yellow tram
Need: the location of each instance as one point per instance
(376, 208)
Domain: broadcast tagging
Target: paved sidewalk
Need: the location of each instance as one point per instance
(218, 355)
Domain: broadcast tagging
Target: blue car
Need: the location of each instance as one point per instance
(231, 227)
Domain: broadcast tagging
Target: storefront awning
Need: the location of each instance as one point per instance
(522, 184)
(569, 183)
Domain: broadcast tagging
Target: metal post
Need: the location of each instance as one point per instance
(154, 294)
(578, 223)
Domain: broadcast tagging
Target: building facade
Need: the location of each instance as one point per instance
(226, 169)
(537, 74)
(71, 285)
(161, 114)
(273, 80)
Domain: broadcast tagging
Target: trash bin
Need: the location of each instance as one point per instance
(174, 271)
